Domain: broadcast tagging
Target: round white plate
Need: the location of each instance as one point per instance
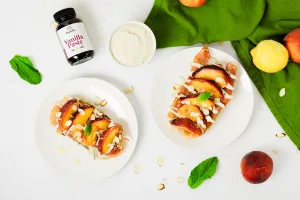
(231, 121)
(71, 159)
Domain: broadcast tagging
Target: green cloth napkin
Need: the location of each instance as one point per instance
(244, 23)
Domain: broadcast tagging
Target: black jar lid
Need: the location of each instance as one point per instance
(58, 16)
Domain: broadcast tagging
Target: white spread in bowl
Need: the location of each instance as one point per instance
(133, 44)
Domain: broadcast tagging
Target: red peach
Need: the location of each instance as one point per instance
(193, 3)
(292, 43)
(256, 167)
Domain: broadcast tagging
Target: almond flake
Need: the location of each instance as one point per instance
(74, 108)
(61, 150)
(53, 24)
(280, 135)
(68, 123)
(103, 102)
(82, 112)
(77, 134)
(180, 179)
(77, 161)
(79, 126)
(97, 101)
(161, 187)
(220, 80)
(129, 90)
(137, 169)
(93, 117)
(79, 139)
(275, 151)
(160, 161)
(282, 92)
(58, 115)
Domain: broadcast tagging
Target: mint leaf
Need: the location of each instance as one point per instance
(205, 170)
(88, 129)
(24, 67)
(203, 96)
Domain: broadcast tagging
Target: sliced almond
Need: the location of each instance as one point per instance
(164, 181)
(137, 169)
(74, 108)
(61, 150)
(282, 92)
(180, 179)
(79, 126)
(79, 139)
(58, 115)
(53, 24)
(93, 117)
(68, 123)
(77, 161)
(280, 135)
(161, 186)
(85, 100)
(103, 102)
(97, 101)
(82, 112)
(275, 151)
(160, 161)
(129, 90)
(77, 134)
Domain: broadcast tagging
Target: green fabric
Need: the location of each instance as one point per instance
(245, 23)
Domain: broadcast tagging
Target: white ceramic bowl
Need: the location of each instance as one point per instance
(151, 35)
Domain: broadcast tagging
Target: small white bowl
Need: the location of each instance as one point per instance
(151, 35)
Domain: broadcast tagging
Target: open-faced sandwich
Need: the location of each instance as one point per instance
(88, 126)
(201, 96)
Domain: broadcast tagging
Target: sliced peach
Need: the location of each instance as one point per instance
(213, 73)
(187, 125)
(202, 85)
(192, 100)
(191, 112)
(82, 117)
(75, 130)
(101, 123)
(108, 138)
(67, 112)
(116, 151)
(97, 125)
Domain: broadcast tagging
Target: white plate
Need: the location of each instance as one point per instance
(75, 161)
(231, 121)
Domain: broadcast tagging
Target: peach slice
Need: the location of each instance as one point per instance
(202, 85)
(187, 125)
(213, 73)
(82, 117)
(191, 112)
(108, 138)
(67, 112)
(192, 100)
(97, 125)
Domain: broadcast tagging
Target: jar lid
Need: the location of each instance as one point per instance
(63, 13)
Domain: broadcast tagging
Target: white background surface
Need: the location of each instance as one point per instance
(25, 175)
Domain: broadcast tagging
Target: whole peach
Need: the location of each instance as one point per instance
(292, 43)
(256, 167)
(193, 3)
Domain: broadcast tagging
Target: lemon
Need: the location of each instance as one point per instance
(270, 56)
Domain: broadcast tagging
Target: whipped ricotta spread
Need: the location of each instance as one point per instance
(131, 44)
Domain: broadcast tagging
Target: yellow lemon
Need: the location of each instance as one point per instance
(270, 56)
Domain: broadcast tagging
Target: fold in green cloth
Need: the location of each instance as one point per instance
(245, 23)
